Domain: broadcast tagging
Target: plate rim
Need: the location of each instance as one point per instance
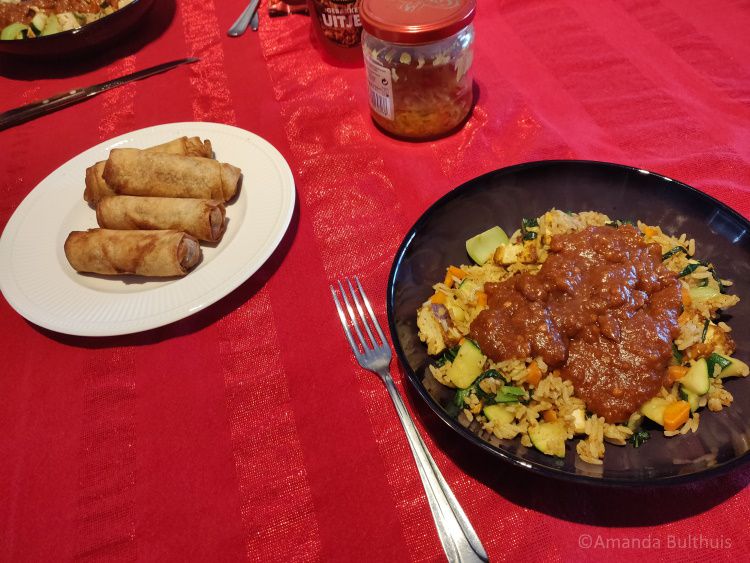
(530, 465)
(24, 307)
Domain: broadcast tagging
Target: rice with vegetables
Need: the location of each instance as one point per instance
(26, 19)
(580, 327)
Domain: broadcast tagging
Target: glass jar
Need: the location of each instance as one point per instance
(337, 29)
(418, 56)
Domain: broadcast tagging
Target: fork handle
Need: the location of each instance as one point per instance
(240, 26)
(457, 536)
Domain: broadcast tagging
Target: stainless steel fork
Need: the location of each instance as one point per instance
(459, 539)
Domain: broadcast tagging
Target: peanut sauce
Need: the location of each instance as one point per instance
(602, 308)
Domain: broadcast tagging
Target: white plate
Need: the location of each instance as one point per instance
(38, 282)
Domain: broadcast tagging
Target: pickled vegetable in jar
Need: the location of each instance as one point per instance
(418, 56)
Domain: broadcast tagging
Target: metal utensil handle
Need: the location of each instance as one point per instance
(30, 111)
(458, 537)
(240, 26)
(59, 101)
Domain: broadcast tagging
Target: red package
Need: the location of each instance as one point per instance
(285, 8)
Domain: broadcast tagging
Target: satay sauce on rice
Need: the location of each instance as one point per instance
(580, 326)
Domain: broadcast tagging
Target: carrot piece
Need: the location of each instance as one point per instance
(684, 317)
(676, 414)
(549, 416)
(481, 299)
(448, 281)
(533, 374)
(456, 272)
(439, 298)
(686, 300)
(676, 372)
(648, 231)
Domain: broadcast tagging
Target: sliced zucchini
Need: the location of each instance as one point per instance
(454, 310)
(38, 22)
(467, 366)
(704, 293)
(549, 438)
(729, 367)
(716, 364)
(87, 18)
(67, 20)
(654, 409)
(14, 31)
(81, 18)
(467, 289)
(498, 413)
(52, 26)
(482, 246)
(696, 379)
(690, 397)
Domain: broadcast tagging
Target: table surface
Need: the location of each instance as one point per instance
(247, 431)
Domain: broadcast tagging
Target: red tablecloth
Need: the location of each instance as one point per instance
(247, 430)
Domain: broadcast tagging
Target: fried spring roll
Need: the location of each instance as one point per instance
(201, 218)
(142, 173)
(186, 146)
(145, 253)
(97, 188)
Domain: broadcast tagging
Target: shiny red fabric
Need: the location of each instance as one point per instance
(247, 431)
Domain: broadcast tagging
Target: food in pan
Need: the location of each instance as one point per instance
(578, 326)
(144, 173)
(201, 218)
(144, 253)
(97, 188)
(26, 19)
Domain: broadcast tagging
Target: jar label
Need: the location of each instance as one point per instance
(339, 21)
(381, 88)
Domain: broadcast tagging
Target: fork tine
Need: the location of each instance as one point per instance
(372, 313)
(344, 324)
(362, 313)
(353, 318)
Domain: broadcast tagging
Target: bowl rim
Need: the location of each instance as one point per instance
(497, 452)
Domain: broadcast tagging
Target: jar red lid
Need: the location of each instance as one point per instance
(415, 21)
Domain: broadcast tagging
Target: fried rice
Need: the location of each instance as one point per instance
(445, 318)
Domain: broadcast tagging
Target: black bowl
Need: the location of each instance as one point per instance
(506, 196)
(94, 35)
